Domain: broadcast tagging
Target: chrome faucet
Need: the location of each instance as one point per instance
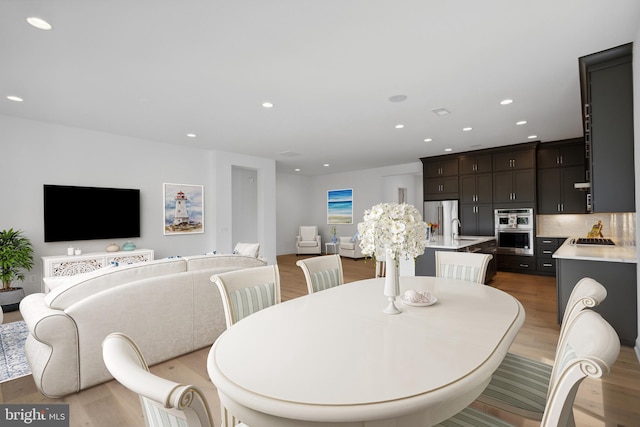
(454, 231)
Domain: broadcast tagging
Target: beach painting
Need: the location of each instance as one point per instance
(340, 206)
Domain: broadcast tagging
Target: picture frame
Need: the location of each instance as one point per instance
(340, 206)
(183, 209)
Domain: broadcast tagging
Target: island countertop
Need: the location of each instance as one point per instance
(446, 242)
(621, 252)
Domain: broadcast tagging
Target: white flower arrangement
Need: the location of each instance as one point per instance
(392, 229)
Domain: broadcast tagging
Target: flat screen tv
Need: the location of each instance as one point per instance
(90, 213)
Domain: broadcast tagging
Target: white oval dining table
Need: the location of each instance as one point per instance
(335, 359)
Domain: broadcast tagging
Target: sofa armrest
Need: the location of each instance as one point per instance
(51, 347)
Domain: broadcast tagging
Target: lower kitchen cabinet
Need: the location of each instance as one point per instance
(517, 263)
(545, 247)
(619, 278)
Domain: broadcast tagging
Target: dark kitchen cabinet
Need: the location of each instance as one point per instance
(560, 165)
(477, 220)
(473, 164)
(476, 209)
(545, 247)
(556, 193)
(515, 187)
(515, 159)
(440, 178)
(607, 93)
(437, 167)
(562, 154)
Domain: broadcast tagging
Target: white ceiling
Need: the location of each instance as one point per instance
(159, 69)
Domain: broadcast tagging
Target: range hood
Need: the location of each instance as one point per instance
(583, 186)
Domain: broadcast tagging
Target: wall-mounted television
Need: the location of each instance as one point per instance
(90, 213)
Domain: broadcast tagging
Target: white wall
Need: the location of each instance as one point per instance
(36, 153)
(309, 205)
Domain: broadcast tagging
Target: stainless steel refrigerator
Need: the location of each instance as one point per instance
(442, 213)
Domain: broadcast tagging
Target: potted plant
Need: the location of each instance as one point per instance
(16, 255)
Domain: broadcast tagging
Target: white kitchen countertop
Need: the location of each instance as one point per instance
(446, 242)
(621, 252)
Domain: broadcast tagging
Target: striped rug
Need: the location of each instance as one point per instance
(13, 361)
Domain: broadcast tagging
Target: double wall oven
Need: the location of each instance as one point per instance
(514, 231)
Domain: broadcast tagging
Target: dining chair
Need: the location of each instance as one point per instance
(322, 272)
(590, 348)
(164, 403)
(462, 265)
(247, 291)
(520, 385)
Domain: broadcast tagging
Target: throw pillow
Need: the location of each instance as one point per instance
(248, 249)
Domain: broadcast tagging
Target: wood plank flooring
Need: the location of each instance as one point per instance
(613, 401)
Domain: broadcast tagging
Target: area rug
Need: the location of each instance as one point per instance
(13, 361)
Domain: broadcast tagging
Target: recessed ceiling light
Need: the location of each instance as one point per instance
(467, 129)
(14, 98)
(398, 98)
(506, 101)
(39, 23)
(428, 140)
(267, 105)
(521, 122)
(326, 165)
(448, 149)
(400, 126)
(441, 111)
(297, 169)
(191, 135)
(532, 136)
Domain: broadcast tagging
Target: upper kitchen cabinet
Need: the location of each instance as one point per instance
(607, 93)
(514, 176)
(561, 164)
(440, 177)
(475, 163)
(522, 158)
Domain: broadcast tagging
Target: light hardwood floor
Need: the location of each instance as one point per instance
(613, 401)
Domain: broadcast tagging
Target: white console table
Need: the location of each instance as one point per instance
(70, 265)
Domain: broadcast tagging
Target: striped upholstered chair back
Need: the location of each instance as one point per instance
(164, 403)
(590, 348)
(462, 265)
(322, 272)
(246, 291)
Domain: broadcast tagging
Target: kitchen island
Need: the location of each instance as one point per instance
(426, 263)
(615, 268)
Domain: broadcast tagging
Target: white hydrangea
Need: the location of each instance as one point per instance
(394, 229)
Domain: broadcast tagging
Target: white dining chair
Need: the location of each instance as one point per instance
(590, 348)
(247, 291)
(462, 265)
(520, 385)
(322, 272)
(164, 403)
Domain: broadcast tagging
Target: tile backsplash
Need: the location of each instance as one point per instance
(620, 227)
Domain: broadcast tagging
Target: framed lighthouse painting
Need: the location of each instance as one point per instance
(183, 209)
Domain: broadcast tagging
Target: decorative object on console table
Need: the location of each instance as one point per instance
(334, 239)
(129, 246)
(16, 255)
(390, 231)
(112, 248)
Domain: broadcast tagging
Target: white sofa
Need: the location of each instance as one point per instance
(169, 307)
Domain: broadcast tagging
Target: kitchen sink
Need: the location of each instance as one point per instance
(464, 239)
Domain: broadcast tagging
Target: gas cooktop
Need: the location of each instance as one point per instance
(594, 241)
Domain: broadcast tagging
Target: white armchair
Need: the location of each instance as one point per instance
(350, 247)
(308, 241)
